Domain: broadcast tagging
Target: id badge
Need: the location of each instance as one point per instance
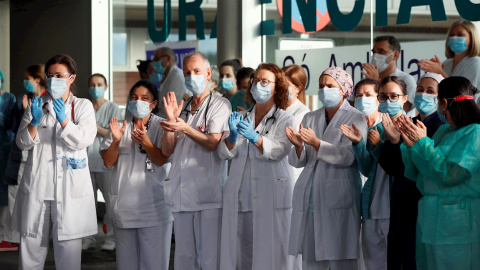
(148, 165)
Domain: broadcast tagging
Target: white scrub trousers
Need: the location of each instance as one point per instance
(197, 239)
(309, 261)
(374, 243)
(33, 251)
(101, 180)
(143, 248)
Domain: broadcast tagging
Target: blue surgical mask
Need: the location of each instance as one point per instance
(195, 84)
(290, 96)
(158, 67)
(28, 86)
(367, 105)
(96, 92)
(227, 84)
(457, 44)
(330, 97)
(155, 78)
(139, 108)
(425, 103)
(260, 93)
(392, 108)
(56, 87)
(441, 116)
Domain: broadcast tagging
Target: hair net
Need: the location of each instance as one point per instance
(342, 78)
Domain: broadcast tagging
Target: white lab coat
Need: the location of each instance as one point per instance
(298, 110)
(336, 187)
(271, 194)
(73, 192)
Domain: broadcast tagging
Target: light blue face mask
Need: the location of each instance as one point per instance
(227, 84)
(457, 44)
(392, 108)
(330, 97)
(441, 116)
(155, 78)
(158, 67)
(139, 108)
(367, 105)
(28, 86)
(96, 92)
(260, 93)
(196, 84)
(425, 103)
(56, 87)
(290, 96)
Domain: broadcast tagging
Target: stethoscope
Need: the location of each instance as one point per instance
(190, 112)
(272, 117)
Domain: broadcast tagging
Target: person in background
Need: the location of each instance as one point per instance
(297, 80)
(325, 226)
(101, 176)
(404, 195)
(35, 85)
(257, 203)
(386, 52)
(446, 170)
(214, 79)
(142, 220)
(375, 191)
(462, 49)
(228, 77)
(56, 190)
(165, 64)
(238, 100)
(193, 190)
(146, 71)
(7, 104)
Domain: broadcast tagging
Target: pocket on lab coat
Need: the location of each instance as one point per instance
(208, 190)
(80, 183)
(283, 192)
(339, 193)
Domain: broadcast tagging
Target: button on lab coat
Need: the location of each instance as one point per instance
(336, 187)
(47, 155)
(271, 190)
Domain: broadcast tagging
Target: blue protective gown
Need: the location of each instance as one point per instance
(446, 170)
(7, 102)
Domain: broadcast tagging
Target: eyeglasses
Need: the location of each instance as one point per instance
(263, 82)
(392, 98)
(158, 58)
(58, 75)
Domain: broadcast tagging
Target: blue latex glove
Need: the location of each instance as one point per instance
(233, 121)
(246, 129)
(59, 108)
(37, 111)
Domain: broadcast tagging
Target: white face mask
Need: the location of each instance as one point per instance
(380, 61)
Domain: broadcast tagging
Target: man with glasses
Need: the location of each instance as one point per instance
(386, 51)
(165, 64)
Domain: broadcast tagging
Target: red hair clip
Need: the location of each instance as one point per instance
(460, 98)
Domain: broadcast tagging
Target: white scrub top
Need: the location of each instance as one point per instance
(136, 196)
(468, 67)
(174, 82)
(197, 175)
(104, 115)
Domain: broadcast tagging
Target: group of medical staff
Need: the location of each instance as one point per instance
(270, 185)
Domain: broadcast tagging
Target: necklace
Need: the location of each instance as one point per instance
(140, 147)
